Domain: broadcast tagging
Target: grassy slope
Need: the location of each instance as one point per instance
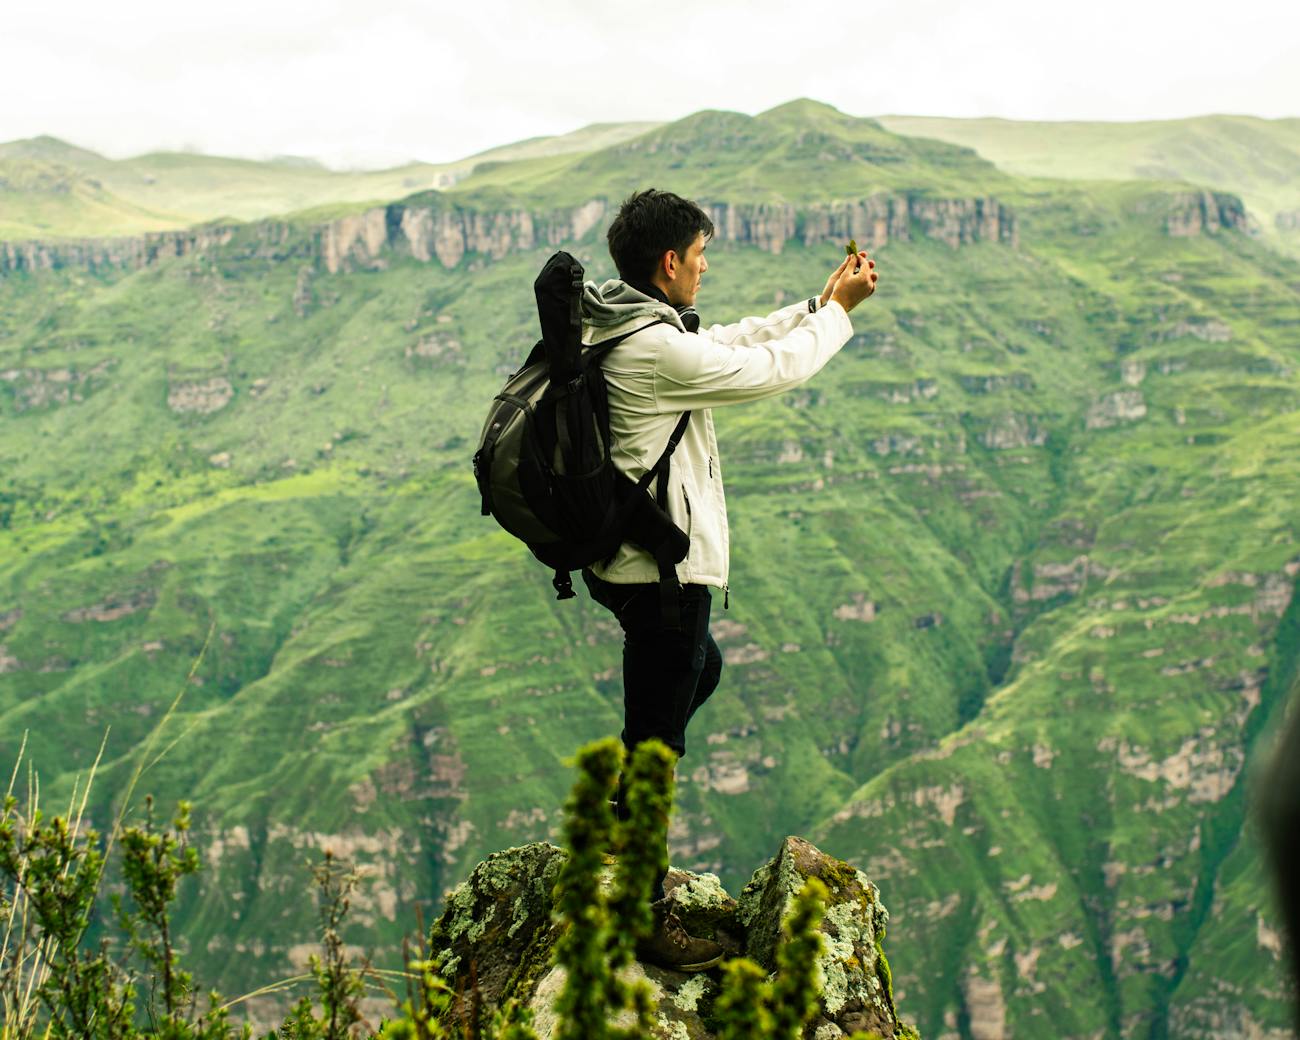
(993, 771)
(43, 199)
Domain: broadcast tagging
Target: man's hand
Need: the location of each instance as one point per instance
(853, 285)
(830, 282)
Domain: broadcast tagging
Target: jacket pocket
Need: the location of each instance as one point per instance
(686, 499)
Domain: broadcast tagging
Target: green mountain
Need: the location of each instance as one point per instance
(1013, 578)
(40, 197)
(1251, 157)
(168, 190)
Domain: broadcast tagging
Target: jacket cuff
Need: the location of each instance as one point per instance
(842, 318)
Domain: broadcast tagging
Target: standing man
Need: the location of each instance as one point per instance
(670, 366)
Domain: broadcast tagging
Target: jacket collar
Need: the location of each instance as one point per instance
(690, 318)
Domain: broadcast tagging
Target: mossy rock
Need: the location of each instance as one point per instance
(856, 992)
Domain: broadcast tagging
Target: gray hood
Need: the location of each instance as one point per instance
(609, 307)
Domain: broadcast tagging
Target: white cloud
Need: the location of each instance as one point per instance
(385, 80)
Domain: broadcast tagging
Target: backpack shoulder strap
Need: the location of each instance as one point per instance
(674, 439)
(669, 587)
(595, 354)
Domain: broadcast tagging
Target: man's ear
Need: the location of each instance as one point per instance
(669, 264)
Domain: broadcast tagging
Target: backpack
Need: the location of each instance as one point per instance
(543, 464)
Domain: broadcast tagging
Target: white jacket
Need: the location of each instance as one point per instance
(656, 374)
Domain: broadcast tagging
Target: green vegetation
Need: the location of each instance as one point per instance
(54, 875)
(1012, 579)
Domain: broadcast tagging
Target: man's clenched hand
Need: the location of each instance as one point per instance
(851, 285)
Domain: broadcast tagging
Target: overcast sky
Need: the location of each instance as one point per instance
(377, 82)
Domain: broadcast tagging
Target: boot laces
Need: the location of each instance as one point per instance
(675, 932)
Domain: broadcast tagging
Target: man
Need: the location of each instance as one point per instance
(658, 241)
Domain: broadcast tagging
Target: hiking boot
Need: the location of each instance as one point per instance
(670, 946)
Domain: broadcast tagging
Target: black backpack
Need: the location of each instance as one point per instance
(543, 465)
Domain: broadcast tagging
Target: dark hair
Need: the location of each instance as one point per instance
(649, 223)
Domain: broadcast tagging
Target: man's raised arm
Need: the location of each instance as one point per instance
(701, 371)
(780, 321)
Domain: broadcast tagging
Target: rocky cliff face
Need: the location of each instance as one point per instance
(268, 239)
(447, 235)
(435, 231)
(498, 928)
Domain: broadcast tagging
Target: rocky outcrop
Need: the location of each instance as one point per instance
(995, 383)
(498, 928)
(34, 388)
(1203, 212)
(203, 396)
(1114, 408)
(1011, 430)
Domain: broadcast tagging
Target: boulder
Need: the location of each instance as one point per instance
(498, 931)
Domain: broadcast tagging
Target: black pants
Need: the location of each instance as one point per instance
(667, 672)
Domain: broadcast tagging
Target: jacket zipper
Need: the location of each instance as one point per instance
(710, 467)
(726, 596)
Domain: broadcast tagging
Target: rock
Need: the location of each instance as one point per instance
(498, 928)
(857, 993)
(42, 388)
(1013, 430)
(1202, 213)
(302, 293)
(497, 924)
(990, 384)
(201, 396)
(1115, 408)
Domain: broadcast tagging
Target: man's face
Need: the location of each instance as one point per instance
(683, 279)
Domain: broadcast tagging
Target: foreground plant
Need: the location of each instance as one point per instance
(57, 869)
(55, 982)
(603, 931)
(340, 987)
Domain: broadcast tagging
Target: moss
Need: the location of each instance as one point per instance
(840, 876)
(886, 976)
(534, 962)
